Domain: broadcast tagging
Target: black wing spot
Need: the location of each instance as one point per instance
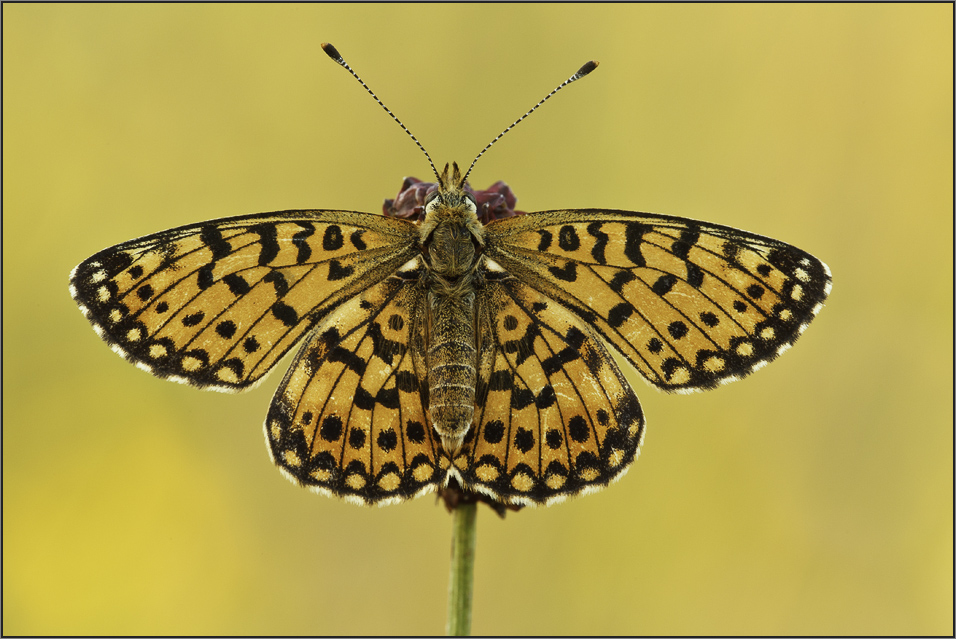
(633, 238)
(237, 284)
(553, 439)
(332, 239)
(250, 345)
(204, 277)
(285, 314)
(545, 398)
(235, 365)
(144, 292)
(597, 251)
(521, 398)
(494, 431)
(268, 238)
(524, 440)
(194, 319)
(387, 440)
(226, 329)
(578, 429)
(732, 253)
(363, 399)
(545, 242)
(682, 246)
(301, 242)
(620, 279)
(352, 361)
(602, 417)
(406, 381)
(677, 329)
(556, 362)
(415, 432)
(212, 238)
(117, 262)
(709, 319)
(356, 438)
(664, 284)
(278, 281)
(568, 273)
(338, 272)
(568, 239)
(387, 397)
(619, 314)
(695, 276)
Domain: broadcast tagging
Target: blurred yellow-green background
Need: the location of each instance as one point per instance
(814, 497)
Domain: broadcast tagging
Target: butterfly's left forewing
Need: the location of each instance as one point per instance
(691, 305)
(216, 304)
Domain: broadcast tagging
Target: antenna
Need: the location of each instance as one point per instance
(335, 55)
(583, 71)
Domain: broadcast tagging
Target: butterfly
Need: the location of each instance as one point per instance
(452, 340)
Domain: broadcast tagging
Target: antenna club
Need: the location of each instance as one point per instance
(332, 52)
(586, 69)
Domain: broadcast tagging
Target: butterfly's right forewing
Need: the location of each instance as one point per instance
(216, 304)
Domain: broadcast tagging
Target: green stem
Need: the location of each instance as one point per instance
(461, 578)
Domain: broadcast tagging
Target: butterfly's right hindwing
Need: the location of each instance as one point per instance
(349, 419)
(217, 304)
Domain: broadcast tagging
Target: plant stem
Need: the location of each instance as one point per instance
(461, 577)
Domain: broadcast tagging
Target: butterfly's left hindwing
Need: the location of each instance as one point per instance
(555, 416)
(691, 305)
(216, 304)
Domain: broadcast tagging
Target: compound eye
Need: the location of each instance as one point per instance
(472, 202)
(430, 199)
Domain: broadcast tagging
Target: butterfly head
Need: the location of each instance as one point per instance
(451, 197)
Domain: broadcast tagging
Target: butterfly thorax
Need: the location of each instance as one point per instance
(451, 242)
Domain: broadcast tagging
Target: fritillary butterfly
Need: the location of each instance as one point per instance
(452, 340)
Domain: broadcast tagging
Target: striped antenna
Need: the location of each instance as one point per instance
(333, 53)
(583, 71)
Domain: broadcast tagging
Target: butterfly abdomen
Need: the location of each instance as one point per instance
(452, 359)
